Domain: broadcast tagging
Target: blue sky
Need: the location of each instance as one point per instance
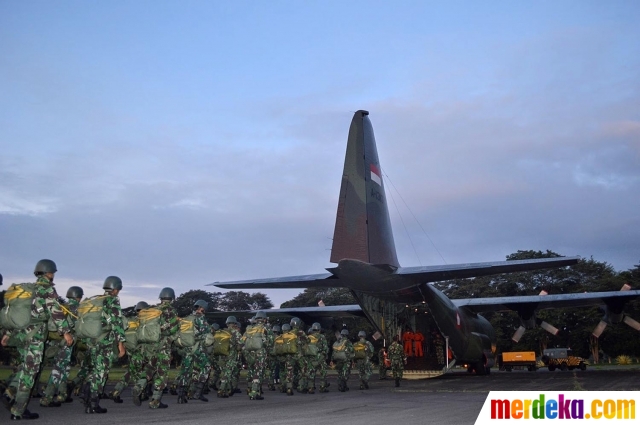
(181, 143)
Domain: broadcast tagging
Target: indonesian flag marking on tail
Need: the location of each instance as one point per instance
(376, 175)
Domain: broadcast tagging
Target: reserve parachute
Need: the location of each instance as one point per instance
(360, 350)
(311, 350)
(222, 343)
(340, 351)
(186, 336)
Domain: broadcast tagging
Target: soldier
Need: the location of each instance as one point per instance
(100, 349)
(257, 342)
(398, 359)
(215, 370)
(302, 361)
(158, 325)
(230, 345)
(62, 360)
(136, 356)
(342, 356)
(195, 364)
(286, 349)
(272, 362)
(320, 362)
(30, 340)
(363, 351)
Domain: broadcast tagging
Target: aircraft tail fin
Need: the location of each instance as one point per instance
(363, 228)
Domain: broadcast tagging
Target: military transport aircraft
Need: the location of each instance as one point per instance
(394, 298)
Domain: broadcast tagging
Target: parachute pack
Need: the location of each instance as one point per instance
(149, 329)
(286, 344)
(131, 335)
(89, 323)
(253, 338)
(186, 336)
(311, 349)
(360, 350)
(339, 351)
(16, 313)
(222, 343)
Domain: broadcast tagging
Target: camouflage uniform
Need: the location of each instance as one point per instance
(320, 363)
(30, 343)
(257, 359)
(344, 366)
(229, 364)
(157, 357)
(135, 369)
(303, 363)
(61, 363)
(195, 363)
(365, 368)
(101, 351)
(397, 357)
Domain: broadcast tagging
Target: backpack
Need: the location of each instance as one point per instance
(51, 325)
(16, 313)
(222, 343)
(339, 351)
(253, 338)
(89, 322)
(186, 336)
(311, 349)
(131, 335)
(286, 344)
(360, 351)
(209, 340)
(149, 329)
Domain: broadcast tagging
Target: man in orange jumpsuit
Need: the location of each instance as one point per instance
(418, 339)
(407, 338)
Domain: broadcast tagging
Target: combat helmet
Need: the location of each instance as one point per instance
(231, 320)
(141, 305)
(167, 294)
(295, 322)
(276, 329)
(201, 303)
(344, 332)
(45, 266)
(216, 327)
(75, 292)
(286, 327)
(316, 327)
(362, 334)
(261, 315)
(112, 282)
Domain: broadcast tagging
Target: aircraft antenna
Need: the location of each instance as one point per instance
(414, 217)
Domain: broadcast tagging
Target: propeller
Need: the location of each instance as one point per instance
(531, 322)
(628, 320)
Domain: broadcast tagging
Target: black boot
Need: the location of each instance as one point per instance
(182, 398)
(198, 393)
(94, 406)
(85, 393)
(25, 415)
(397, 382)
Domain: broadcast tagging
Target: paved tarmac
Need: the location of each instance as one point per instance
(455, 398)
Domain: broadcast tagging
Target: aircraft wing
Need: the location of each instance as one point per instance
(539, 302)
(306, 314)
(417, 275)
(463, 271)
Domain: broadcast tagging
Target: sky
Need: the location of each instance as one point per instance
(182, 143)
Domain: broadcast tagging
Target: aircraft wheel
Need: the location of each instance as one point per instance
(583, 366)
(563, 366)
(551, 368)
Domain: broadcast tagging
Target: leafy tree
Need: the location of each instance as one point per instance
(239, 300)
(184, 303)
(329, 296)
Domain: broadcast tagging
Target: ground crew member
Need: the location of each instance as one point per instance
(30, 340)
(62, 360)
(418, 339)
(363, 360)
(382, 363)
(158, 354)
(100, 350)
(398, 360)
(407, 338)
(136, 360)
(257, 341)
(195, 364)
(342, 356)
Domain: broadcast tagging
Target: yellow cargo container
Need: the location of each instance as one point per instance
(509, 360)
